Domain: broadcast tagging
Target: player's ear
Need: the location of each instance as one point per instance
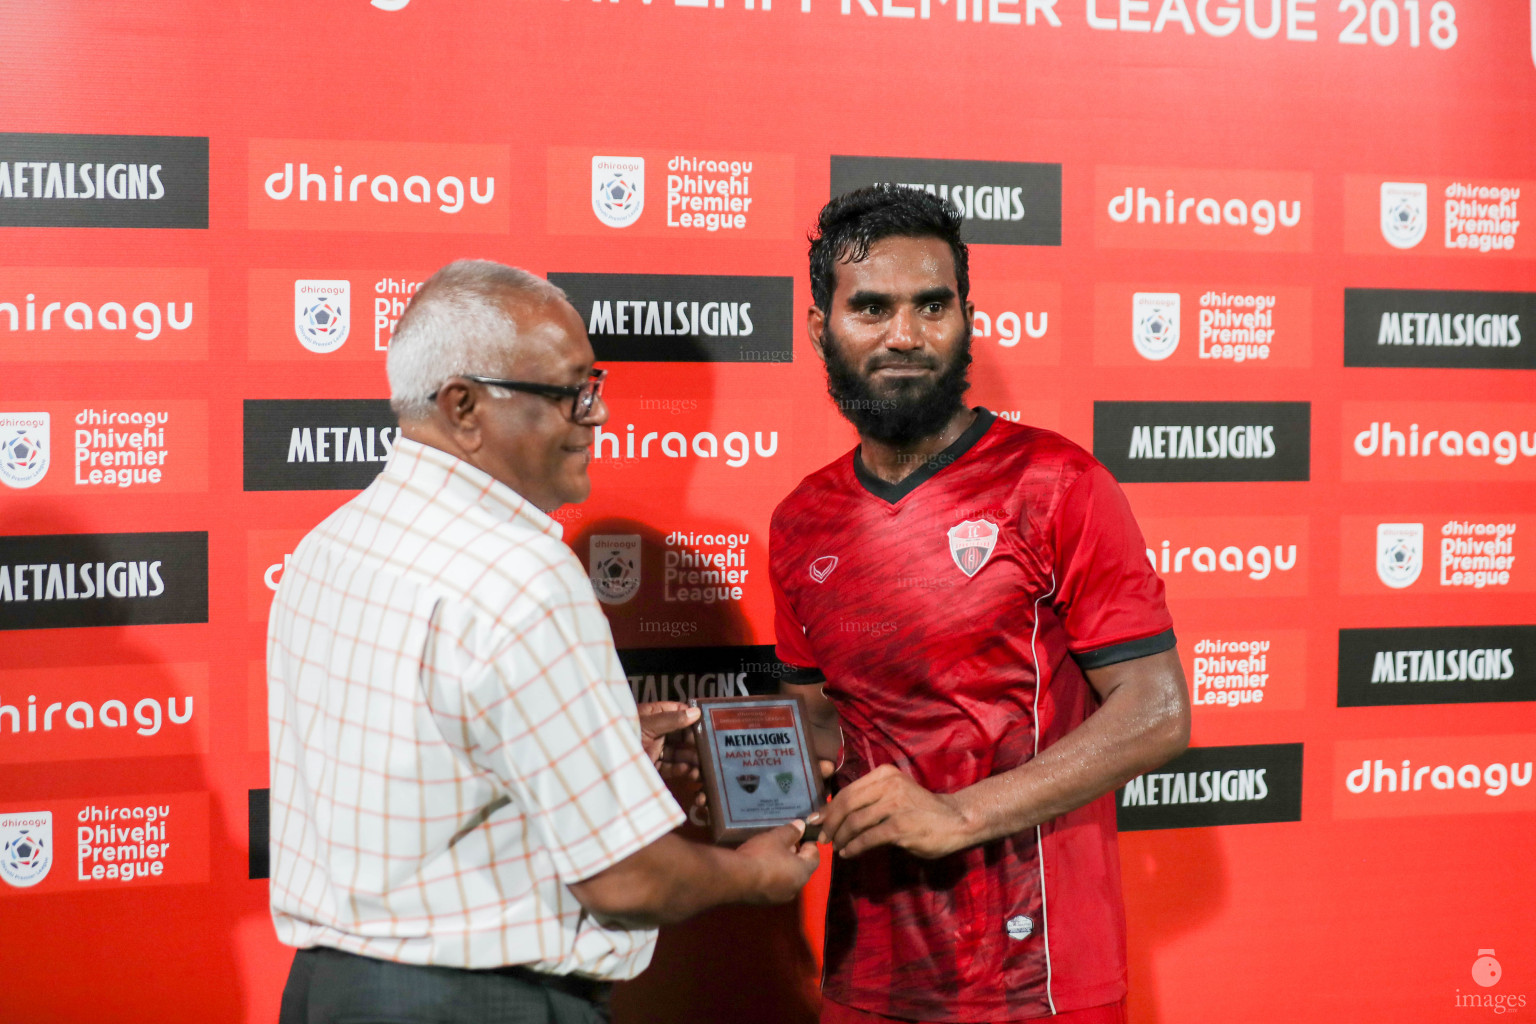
(815, 326)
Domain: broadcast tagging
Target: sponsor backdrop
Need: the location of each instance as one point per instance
(1266, 259)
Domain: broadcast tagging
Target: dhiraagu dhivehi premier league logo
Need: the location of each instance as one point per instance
(1399, 553)
(1404, 213)
(618, 189)
(24, 445)
(26, 847)
(1155, 324)
(322, 314)
(614, 566)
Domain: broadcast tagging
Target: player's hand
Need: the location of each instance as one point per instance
(888, 808)
(666, 735)
(782, 863)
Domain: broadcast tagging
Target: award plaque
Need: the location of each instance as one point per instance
(758, 765)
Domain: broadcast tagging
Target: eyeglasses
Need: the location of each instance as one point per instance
(585, 396)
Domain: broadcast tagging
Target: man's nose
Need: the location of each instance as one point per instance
(903, 335)
(598, 415)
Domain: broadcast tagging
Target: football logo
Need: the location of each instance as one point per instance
(748, 782)
(822, 568)
(615, 567)
(322, 314)
(23, 448)
(786, 781)
(1155, 324)
(618, 189)
(1404, 213)
(1399, 553)
(971, 544)
(26, 847)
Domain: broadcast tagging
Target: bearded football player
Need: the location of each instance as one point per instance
(968, 611)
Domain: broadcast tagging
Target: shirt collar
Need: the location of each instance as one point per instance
(441, 475)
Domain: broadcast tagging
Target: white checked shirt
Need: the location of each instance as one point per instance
(453, 739)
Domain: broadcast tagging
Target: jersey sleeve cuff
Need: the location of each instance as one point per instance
(796, 675)
(1130, 650)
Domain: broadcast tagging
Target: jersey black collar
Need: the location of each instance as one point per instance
(892, 493)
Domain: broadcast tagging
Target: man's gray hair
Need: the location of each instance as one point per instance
(456, 323)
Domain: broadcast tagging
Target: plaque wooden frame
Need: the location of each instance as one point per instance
(730, 821)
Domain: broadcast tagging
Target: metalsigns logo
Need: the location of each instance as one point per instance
(684, 318)
(1159, 442)
(1399, 553)
(1436, 665)
(103, 181)
(322, 314)
(615, 567)
(83, 314)
(1443, 329)
(103, 579)
(618, 189)
(1388, 777)
(1155, 324)
(1207, 786)
(1001, 202)
(1404, 213)
(317, 444)
(1182, 208)
(26, 847)
(687, 673)
(24, 446)
(329, 185)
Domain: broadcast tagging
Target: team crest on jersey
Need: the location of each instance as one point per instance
(1404, 213)
(822, 568)
(618, 189)
(26, 847)
(971, 544)
(1399, 553)
(23, 448)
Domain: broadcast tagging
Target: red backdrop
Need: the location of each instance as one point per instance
(1331, 171)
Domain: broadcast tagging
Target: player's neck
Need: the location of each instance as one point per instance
(893, 463)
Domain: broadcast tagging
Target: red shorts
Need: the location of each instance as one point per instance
(837, 1013)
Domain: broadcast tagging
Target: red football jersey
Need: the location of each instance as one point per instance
(951, 616)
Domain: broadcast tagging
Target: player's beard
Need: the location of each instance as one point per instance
(905, 410)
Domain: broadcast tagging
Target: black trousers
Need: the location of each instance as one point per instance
(328, 986)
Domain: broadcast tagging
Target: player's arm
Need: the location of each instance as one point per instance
(1144, 721)
(821, 716)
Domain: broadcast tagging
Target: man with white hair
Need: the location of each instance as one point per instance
(467, 818)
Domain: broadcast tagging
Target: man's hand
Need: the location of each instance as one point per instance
(667, 736)
(783, 862)
(888, 808)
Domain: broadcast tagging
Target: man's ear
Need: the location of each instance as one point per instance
(970, 312)
(458, 413)
(815, 325)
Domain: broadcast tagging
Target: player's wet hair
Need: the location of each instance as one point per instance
(854, 221)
